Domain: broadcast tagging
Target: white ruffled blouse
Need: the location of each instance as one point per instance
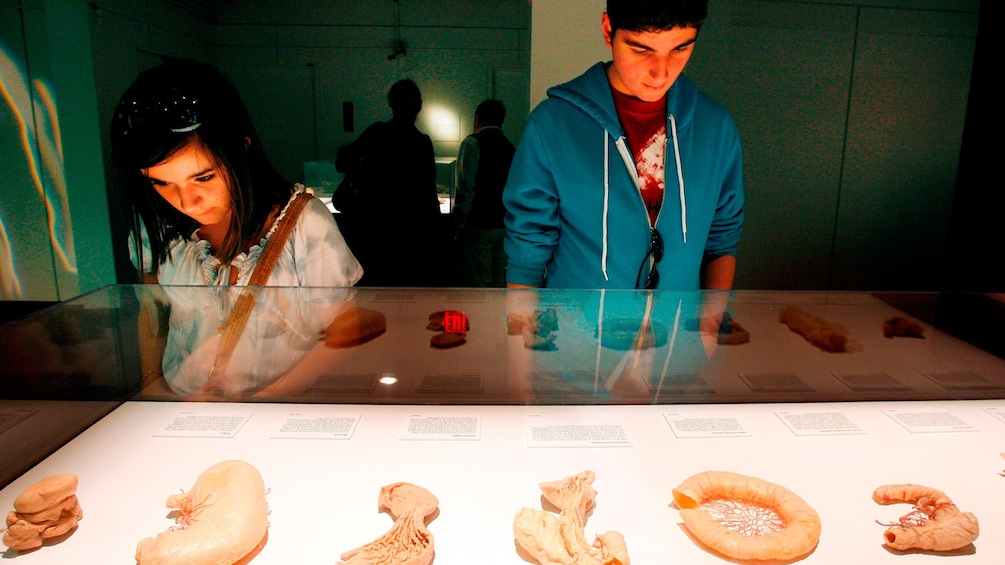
(285, 322)
(316, 255)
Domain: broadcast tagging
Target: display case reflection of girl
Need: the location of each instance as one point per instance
(205, 201)
(204, 193)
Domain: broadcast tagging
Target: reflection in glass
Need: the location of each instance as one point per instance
(585, 347)
(283, 325)
(608, 347)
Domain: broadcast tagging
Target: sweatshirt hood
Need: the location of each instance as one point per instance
(591, 93)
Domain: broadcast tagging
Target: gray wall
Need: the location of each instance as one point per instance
(851, 112)
(296, 62)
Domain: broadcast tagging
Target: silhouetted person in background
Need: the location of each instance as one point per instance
(395, 215)
(482, 166)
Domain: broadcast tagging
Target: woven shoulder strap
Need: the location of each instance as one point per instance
(274, 247)
(271, 253)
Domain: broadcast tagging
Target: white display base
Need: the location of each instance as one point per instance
(483, 464)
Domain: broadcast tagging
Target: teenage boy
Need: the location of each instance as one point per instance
(628, 176)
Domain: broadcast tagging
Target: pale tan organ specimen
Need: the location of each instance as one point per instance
(408, 542)
(821, 333)
(902, 327)
(224, 519)
(561, 540)
(935, 524)
(353, 327)
(744, 517)
(538, 328)
(45, 511)
(732, 333)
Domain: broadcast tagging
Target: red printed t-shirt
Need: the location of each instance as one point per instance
(645, 125)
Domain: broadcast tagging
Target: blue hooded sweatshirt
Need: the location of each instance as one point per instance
(575, 216)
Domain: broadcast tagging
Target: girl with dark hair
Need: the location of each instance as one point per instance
(210, 213)
(205, 196)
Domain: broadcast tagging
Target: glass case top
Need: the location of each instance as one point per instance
(495, 346)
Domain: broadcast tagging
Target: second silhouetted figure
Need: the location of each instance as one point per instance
(392, 225)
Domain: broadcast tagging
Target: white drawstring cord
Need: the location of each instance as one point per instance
(680, 179)
(607, 193)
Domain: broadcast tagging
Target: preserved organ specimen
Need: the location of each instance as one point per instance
(747, 518)
(539, 328)
(935, 524)
(902, 327)
(353, 327)
(820, 333)
(46, 510)
(223, 519)
(408, 542)
(561, 540)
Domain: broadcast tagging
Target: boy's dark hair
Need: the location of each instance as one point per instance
(168, 107)
(656, 15)
(491, 113)
(405, 99)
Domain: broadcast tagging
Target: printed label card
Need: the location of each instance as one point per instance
(204, 424)
(704, 425)
(317, 425)
(928, 421)
(804, 423)
(555, 432)
(442, 428)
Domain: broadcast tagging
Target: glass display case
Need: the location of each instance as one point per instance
(479, 395)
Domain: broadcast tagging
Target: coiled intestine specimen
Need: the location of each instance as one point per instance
(45, 511)
(224, 519)
(747, 518)
(561, 540)
(935, 524)
(408, 542)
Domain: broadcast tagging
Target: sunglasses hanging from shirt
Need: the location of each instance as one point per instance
(656, 253)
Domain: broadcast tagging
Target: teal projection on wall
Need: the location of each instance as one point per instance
(37, 232)
(55, 240)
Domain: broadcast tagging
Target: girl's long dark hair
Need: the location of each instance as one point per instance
(167, 107)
